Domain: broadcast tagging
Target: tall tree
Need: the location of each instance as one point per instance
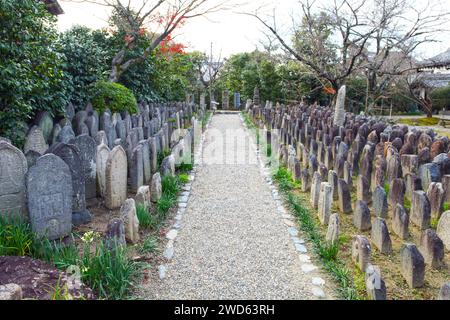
(160, 17)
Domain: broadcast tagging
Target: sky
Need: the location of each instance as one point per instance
(228, 31)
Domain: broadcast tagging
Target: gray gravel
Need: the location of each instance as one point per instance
(233, 244)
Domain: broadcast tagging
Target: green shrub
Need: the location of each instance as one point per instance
(16, 237)
(87, 60)
(441, 98)
(112, 96)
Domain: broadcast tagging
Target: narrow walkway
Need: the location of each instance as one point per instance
(233, 243)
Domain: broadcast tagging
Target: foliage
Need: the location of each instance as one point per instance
(149, 245)
(244, 71)
(108, 271)
(62, 256)
(170, 186)
(31, 75)
(86, 60)
(146, 220)
(16, 237)
(112, 96)
(441, 98)
(60, 292)
(183, 178)
(175, 75)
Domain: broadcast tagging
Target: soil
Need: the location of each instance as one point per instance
(37, 279)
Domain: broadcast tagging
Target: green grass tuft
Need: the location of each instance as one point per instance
(16, 236)
(150, 245)
(146, 219)
(109, 272)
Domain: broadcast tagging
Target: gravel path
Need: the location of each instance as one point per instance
(233, 243)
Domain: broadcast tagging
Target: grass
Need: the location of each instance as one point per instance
(446, 206)
(16, 237)
(59, 292)
(109, 272)
(150, 245)
(183, 178)
(146, 219)
(420, 121)
(61, 256)
(407, 204)
(387, 189)
(434, 223)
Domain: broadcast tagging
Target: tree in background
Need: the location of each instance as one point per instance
(153, 19)
(31, 69)
(344, 40)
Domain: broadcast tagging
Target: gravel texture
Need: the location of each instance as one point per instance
(233, 243)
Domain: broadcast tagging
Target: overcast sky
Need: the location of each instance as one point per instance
(229, 31)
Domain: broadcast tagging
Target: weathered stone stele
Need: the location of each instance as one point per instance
(420, 210)
(444, 293)
(315, 190)
(49, 190)
(324, 203)
(102, 157)
(412, 266)
(344, 198)
(361, 252)
(361, 216)
(333, 230)
(375, 286)
(116, 178)
(13, 167)
(115, 233)
(143, 196)
(400, 222)
(155, 188)
(443, 229)
(380, 236)
(35, 141)
(88, 155)
(130, 221)
(432, 248)
(70, 154)
(339, 111)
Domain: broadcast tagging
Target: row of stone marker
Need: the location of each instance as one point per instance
(325, 157)
(62, 167)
